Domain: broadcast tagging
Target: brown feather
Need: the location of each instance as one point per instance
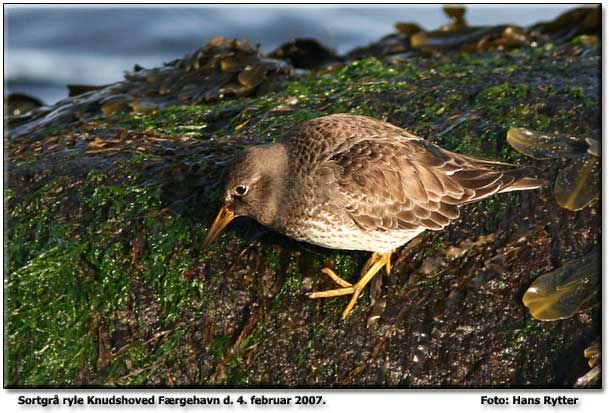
(379, 183)
(394, 180)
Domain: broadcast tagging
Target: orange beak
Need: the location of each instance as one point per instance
(222, 220)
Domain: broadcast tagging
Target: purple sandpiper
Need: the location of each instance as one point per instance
(356, 183)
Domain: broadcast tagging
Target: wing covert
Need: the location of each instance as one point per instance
(410, 184)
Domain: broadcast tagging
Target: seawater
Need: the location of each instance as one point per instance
(49, 47)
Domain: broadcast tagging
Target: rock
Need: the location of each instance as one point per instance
(105, 284)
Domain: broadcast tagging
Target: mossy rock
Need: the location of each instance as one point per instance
(105, 284)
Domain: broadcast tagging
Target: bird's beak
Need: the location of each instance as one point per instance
(224, 217)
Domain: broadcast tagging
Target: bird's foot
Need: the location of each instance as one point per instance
(336, 278)
(372, 267)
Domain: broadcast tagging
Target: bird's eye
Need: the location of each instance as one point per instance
(241, 190)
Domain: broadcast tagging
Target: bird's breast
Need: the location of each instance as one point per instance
(333, 230)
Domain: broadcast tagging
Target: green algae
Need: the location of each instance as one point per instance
(128, 251)
(95, 271)
(375, 88)
(192, 121)
(48, 335)
(348, 265)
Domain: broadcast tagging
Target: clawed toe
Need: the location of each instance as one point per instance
(331, 293)
(372, 267)
(354, 290)
(336, 278)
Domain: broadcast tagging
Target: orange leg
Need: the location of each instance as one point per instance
(372, 267)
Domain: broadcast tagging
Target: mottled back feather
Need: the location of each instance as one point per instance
(388, 179)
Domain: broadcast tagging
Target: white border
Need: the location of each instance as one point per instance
(352, 400)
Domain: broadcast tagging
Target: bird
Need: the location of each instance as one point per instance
(352, 182)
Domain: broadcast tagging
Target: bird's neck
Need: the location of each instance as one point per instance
(276, 171)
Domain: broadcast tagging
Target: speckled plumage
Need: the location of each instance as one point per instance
(352, 182)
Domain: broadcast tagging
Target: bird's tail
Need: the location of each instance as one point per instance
(480, 183)
(516, 180)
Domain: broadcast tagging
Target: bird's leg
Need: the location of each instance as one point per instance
(343, 283)
(372, 267)
(377, 262)
(336, 278)
(340, 281)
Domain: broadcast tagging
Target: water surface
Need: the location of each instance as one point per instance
(49, 47)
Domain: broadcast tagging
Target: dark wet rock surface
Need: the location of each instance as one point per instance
(106, 284)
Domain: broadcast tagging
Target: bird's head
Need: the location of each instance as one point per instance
(254, 186)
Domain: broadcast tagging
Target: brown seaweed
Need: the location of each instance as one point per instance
(593, 377)
(306, 54)
(539, 145)
(220, 68)
(561, 293)
(581, 20)
(578, 185)
(456, 13)
(17, 104)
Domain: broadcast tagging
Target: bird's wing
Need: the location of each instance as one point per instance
(313, 143)
(412, 184)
